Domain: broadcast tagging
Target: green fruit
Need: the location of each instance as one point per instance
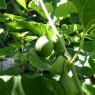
(68, 85)
(58, 46)
(44, 46)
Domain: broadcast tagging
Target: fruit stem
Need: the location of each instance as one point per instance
(76, 79)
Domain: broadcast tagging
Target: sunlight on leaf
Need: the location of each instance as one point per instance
(22, 3)
(89, 89)
(6, 77)
(64, 9)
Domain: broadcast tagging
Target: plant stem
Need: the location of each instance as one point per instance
(55, 29)
(73, 60)
(81, 44)
(76, 79)
(73, 67)
(85, 31)
(64, 47)
(49, 18)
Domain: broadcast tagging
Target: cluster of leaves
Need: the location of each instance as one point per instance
(22, 22)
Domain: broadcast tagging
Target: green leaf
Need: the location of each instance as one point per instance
(34, 5)
(39, 85)
(85, 10)
(68, 29)
(49, 8)
(3, 18)
(37, 28)
(89, 47)
(86, 71)
(36, 61)
(88, 89)
(22, 3)
(57, 66)
(6, 87)
(10, 71)
(8, 51)
(14, 17)
(65, 28)
(79, 4)
(1, 85)
(35, 86)
(57, 87)
(68, 85)
(64, 9)
(3, 4)
(92, 64)
(30, 38)
(92, 33)
(17, 89)
(17, 8)
(37, 7)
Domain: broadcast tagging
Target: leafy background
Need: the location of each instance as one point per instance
(22, 22)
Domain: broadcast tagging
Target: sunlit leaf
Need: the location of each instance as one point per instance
(30, 38)
(37, 7)
(38, 28)
(64, 9)
(88, 89)
(22, 3)
(14, 17)
(49, 7)
(17, 88)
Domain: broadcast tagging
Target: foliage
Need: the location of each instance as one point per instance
(23, 23)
